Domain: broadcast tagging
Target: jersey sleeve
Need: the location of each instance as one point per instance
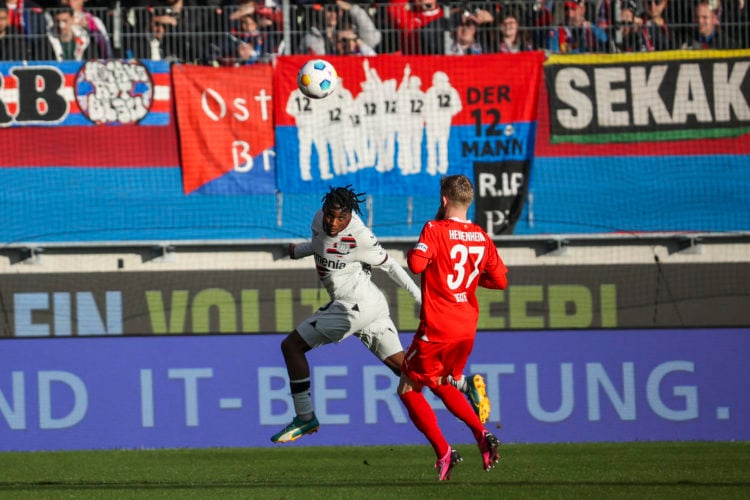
(421, 254)
(399, 276)
(369, 250)
(495, 273)
(302, 250)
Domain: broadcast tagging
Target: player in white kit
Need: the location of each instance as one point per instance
(345, 250)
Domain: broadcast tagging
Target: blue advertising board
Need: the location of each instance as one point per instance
(232, 391)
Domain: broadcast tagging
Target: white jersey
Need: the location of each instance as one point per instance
(357, 305)
(344, 261)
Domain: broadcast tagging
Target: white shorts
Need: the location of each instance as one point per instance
(337, 320)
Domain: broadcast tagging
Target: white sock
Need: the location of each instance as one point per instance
(303, 406)
(459, 383)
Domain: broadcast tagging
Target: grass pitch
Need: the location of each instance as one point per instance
(660, 470)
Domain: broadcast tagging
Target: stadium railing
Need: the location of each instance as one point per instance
(209, 30)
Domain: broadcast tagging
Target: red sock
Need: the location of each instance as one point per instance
(457, 404)
(424, 419)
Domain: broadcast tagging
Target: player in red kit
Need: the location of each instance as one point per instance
(454, 256)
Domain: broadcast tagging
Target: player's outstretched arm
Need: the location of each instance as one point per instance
(397, 274)
(300, 250)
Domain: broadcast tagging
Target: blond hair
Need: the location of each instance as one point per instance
(458, 189)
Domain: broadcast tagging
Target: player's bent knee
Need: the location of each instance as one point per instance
(294, 344)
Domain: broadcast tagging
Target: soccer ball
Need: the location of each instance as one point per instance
(317, 79)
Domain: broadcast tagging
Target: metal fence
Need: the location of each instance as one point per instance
(234, 35)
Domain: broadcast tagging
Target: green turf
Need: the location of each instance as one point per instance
(660, 470)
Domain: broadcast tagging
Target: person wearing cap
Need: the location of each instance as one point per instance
(578, 35)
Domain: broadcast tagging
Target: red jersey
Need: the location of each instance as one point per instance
(454, 257)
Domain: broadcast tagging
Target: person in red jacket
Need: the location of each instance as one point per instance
(454, 256)
(421, 25)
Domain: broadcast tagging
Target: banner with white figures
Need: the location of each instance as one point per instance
(397, 122)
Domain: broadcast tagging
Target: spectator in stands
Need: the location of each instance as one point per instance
(605, 13)
(268, 16)
(194, 31)
(268, 11)
(736, 21)
(348, 42)
(327, 20)
(578, 35)
(483, 14)
(27, 18)
(250, 34)
(66, 40)
(707, 33)
(13, 46)
(93, 24)
(421, 24)
(512, 39)
(464, 38)
(248, 45)
(157, 43)
(631, 28)
(177, 5)
(540, 19)
(657, 34)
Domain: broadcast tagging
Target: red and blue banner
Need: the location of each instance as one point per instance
(226, 129)
(87, 114)
(629, 142)
(88, 93)
(396, 123)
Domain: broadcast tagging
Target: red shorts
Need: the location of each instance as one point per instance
(427, 362)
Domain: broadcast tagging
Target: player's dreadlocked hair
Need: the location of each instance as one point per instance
(343, 198)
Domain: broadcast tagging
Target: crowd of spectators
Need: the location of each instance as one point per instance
(236, 32)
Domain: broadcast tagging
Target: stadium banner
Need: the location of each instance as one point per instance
(233, 391)
(599, 168)
(275, 301)
(226, 129)
(607, 98)
(86, 114)
(397, 123)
